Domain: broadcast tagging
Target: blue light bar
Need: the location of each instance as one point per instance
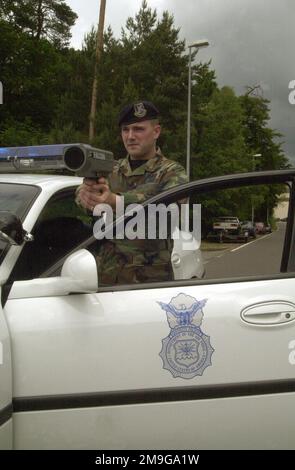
(34, 157)
(34, 151)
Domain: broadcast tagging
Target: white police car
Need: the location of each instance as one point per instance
(185, 364)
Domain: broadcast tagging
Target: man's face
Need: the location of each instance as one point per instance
(140, 138)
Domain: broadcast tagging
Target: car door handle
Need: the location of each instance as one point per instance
(269, 313)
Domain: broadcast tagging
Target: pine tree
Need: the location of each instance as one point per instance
(259, 137)
(50, 19)
(222, 148)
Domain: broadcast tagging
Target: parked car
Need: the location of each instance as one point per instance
(267, 228)
(221, 236)
(228, 229)
(226, 223)
(248, 226)
(259, 227)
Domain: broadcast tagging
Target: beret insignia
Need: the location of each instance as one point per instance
(139, 110)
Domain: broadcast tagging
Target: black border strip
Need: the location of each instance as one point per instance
(6, 414)
(162, 395)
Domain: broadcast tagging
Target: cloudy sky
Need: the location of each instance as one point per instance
(251, 43)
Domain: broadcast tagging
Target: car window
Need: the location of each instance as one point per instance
(242, 251)
(61, 226)
(226, 252)
(214, 255)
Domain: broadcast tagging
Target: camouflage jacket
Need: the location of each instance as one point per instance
(131, 261)
(151, 178)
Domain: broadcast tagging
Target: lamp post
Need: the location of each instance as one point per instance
(197, 45)
(257, 155)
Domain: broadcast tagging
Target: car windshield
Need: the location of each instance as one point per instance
(17, 199)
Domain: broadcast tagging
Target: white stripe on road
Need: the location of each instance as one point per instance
(253, 241)
(214, 257)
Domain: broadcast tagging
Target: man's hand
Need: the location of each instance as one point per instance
(94, 192)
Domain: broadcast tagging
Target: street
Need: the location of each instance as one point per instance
(261, 256)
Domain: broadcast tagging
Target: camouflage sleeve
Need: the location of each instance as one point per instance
(78, 201)
(172, 175)
(77, 198)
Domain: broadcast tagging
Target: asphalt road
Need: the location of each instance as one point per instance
(261, 256)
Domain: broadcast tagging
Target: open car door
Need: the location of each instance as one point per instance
(191, 363)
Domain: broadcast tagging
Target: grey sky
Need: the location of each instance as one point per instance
(251, 43)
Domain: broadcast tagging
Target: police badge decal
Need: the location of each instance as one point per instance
(186, 351)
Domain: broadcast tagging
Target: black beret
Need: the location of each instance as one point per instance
(137, 112)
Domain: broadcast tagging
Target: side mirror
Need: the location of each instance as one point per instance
(79, 275)
(81, 269)
(11, 229)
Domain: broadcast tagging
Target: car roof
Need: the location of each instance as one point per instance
(54, 182)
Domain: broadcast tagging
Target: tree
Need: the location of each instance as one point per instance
(48, 90)
(260, 138)
(50, 19)
(139, 29)
(203, 88)
(34, 77)
(154, 60)
(222, 149)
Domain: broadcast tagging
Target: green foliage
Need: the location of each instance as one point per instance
(22, 133)
(64, 135)
(221, 146)
(47, 95)
(33, 77)
(50, 19)
(259, 138)
(139, 28)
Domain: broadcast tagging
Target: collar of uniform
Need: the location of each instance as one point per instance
(151, 165)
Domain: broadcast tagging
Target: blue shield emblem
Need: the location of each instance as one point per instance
(186, 351)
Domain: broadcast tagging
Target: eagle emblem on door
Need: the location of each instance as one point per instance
(186, 351)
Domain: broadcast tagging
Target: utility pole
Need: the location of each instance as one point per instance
(98, 53)
(257, 155)
(197, 45)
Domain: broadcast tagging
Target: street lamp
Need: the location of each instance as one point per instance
(257, 155)
(198, 45)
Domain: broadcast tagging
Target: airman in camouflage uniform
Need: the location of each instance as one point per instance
(132, 261)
